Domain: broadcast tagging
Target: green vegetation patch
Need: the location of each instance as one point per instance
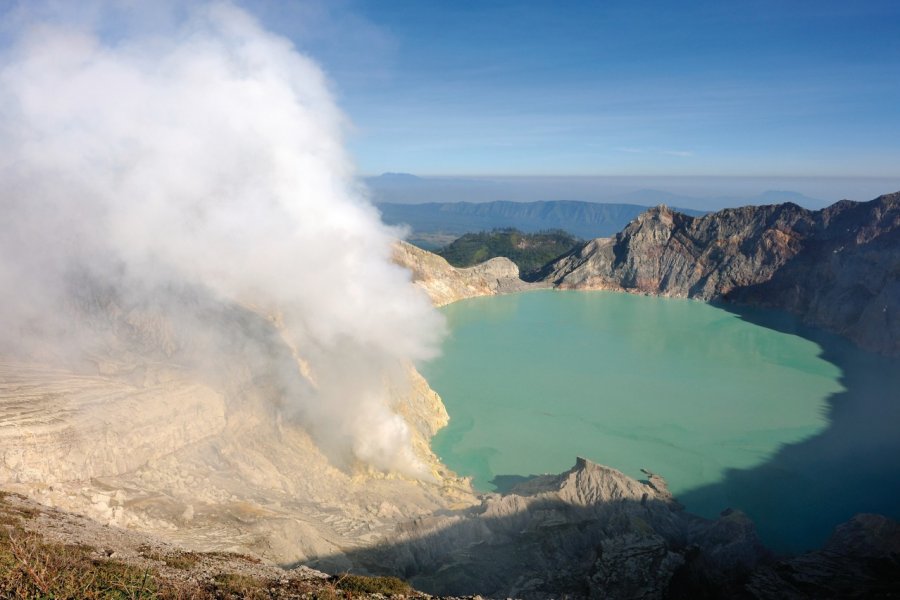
(232, 556)
(30, 568)
(530, 251)
(235, 585)
(13, 515)
(181, 560)
(371, 585)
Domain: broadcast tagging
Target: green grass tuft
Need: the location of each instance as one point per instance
(33, 569)
(371, 585)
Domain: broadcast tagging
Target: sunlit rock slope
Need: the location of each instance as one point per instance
(142, 432)
(838, 268)
(445, 283)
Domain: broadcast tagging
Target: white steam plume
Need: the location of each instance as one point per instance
(209, 154)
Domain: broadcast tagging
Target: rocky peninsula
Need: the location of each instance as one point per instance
(445, 283)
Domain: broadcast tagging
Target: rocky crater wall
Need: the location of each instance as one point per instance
(838, 268)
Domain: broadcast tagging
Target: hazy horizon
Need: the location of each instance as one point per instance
(698, 192)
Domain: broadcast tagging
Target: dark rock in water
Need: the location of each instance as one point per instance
(838, 268)
(860, 560)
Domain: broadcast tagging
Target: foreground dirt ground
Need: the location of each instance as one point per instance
(46, 553)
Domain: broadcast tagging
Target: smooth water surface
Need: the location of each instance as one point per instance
(679, 387)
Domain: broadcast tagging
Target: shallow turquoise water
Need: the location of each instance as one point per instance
(679, 387)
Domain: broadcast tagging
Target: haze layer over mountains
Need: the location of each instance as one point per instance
(693, 193)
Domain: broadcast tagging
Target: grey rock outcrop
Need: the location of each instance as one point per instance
(846, 275)
(838, 268)
(633, 566)
(591, 532)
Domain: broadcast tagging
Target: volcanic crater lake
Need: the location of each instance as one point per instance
(734, 410)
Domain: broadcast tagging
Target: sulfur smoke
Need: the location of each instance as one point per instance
(204, 153)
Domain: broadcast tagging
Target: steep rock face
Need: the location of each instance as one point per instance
(846, 276)
(668, 253)
(445, 284)
(591, 532)
(839, 268)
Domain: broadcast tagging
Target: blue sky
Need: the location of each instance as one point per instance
(626, 87)
(766, 88)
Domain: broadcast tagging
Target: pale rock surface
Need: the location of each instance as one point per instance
(56, 425)
(142, 436)
(445, 284)
(136, 548)
(202, 455)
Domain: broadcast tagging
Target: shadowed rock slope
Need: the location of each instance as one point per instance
(838, 268)
(591, 532)
(860, 560)
(48, 553)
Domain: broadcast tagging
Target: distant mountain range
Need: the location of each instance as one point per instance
(586, 220)
(404, 188)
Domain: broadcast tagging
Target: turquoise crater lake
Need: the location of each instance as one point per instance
(679, 387)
